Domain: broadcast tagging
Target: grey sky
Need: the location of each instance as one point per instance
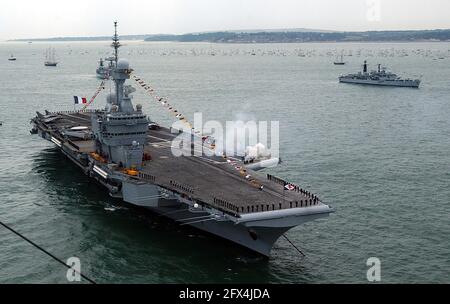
(51, 18)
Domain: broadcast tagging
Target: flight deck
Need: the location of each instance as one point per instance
(215, 180)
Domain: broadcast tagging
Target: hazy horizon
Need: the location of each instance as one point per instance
(207, 31)
(23, 19)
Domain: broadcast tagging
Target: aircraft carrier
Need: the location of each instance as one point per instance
(217, 194)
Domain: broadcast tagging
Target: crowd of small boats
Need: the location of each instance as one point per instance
(380, 77)
(338, 54)
(341, 58)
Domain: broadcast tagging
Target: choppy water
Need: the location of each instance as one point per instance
(380, 156)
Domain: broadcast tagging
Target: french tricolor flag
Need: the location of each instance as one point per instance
(79, 99)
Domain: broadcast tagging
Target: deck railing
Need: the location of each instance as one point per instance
(233, 208)
(295, 187)
(76, 111)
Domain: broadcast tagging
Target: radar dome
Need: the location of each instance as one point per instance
(123, 64)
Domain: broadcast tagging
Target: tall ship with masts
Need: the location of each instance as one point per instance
(340, 61)
(220, 194)
(50, 57)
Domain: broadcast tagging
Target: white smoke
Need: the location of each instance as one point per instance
(257, 151)
(241, 138)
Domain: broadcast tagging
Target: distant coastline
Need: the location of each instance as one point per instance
(277, 36)
(70, 39)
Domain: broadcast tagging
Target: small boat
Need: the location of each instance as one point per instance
(12, 58)
(50, 57)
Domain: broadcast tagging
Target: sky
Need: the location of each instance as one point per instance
(61, 18)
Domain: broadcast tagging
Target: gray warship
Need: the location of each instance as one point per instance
(116, 147)
(104, 71)
(381, 77)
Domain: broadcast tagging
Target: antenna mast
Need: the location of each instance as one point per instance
(116, 43)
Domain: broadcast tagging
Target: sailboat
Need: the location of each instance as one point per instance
(12, 58)
(50, 57)
(340, 62)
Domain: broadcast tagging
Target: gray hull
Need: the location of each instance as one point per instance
(102, 75)
(239, 234)
(256, 231)
(405, 83)
(258, 235)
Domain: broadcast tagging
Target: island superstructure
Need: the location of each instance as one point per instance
(217, 194)
(380, 77)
